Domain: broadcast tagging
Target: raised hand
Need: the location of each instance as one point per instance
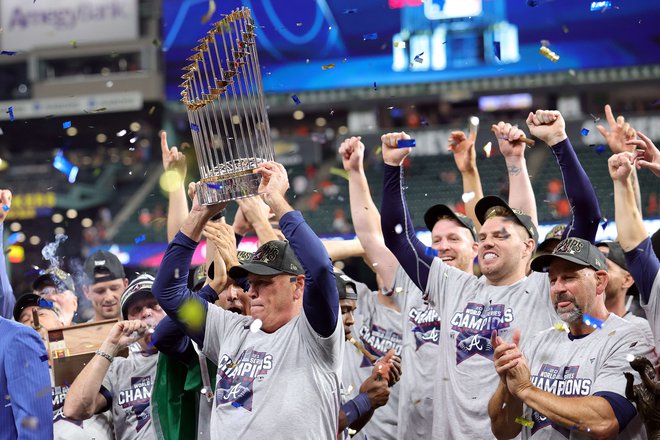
(223, 238)
(392, 154)
(274, 180)
(648, 155)
(5, 200)
(388, 367)
(123, 334)
(208, 211)
(620, 166)
(352, 154)
(254, 209)
(547, 125)
(172, 158)
(508, 139)
(620, 132)
(377, 391)
(462, 147)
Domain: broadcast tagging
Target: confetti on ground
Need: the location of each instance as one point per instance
(373, 36)
(339, 172)
(600, 6)
(405, 143)
(600, 149)
(8, 53)
(194, 127)
(525, 422)
(140, 239)
(488, 148)
(5, 208)
(584, 132)
(10, 110)
(295, 99)
(328, 66)
(466, 197)
(549, 54)
(66, 124)
(398, 229)
(497, 48)
(191, 313)
(418, 58)
(400, 44)
(594, 322)
(256, 325)
(210, 12)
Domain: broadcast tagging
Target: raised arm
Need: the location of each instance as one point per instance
(617, 139)
(320, 298)
(177, 209)
(86, 396)
(28, 386)
(549, 126)
(648, 156)
(342, 249)
(170, 286)
(521, 194)
(7, 298)
(465, 157)
(366, 219)
(256, 214)
(396, 224)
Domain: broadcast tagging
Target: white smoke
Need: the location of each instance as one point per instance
(49, 252)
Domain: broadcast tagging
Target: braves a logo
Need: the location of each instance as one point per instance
(562, 381)
(426, 325)
(474, 326)
(378, 341)
(235, 379)
(136, 400)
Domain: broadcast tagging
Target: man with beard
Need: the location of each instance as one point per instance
(569, 381)
(471, 308)
(123, 384)
(57, 286)
(104, 284)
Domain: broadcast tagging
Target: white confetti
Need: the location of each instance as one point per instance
(487, 148)
(398, 229)
(467, 196)
(630, 357)
(350, 388)
(176, 273)
(256, 325)
(474, 121)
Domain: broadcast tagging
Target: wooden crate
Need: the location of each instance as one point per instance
(70, 348)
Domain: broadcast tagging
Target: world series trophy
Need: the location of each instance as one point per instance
(223, 94)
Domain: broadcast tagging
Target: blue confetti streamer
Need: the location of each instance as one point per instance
(594, 322)
(605, 223)
(600, 149)
(213, 186)
(423, 121)
(375, 86)
(236, 404)
(66, 124)
(44, 303)
(406, 143)
(13, 238)
(8, 53)
(5, 208)
(194, 127)
(418, 58)
(431, 252)
(62, 165)
(373, 36)
(497, 48)
(140, 239)
(295, 99)
(10, 110)
(584, 132)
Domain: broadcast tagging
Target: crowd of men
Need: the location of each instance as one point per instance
(280, 344)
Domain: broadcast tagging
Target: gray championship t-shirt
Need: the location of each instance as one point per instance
(279, 385)
(652, 309)
(470, 310)
(378, 328)
(129, 381)
(583, 367)
(419, 360)
(641, 323)
(98, 427)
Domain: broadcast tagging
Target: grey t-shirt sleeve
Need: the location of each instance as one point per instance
(328, 350)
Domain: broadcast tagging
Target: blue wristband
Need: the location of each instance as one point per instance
(356, 408)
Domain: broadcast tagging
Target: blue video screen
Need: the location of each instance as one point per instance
(383, 42)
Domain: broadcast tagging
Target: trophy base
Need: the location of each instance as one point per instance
(225, 189)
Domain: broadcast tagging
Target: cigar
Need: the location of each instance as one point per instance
(35, 319)
(363, 350)
(530, 142)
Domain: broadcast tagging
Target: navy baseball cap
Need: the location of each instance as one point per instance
(345, 286)
(103, 263)
(575, 250)
(483, 206)
(272, 258)
(436, 212)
